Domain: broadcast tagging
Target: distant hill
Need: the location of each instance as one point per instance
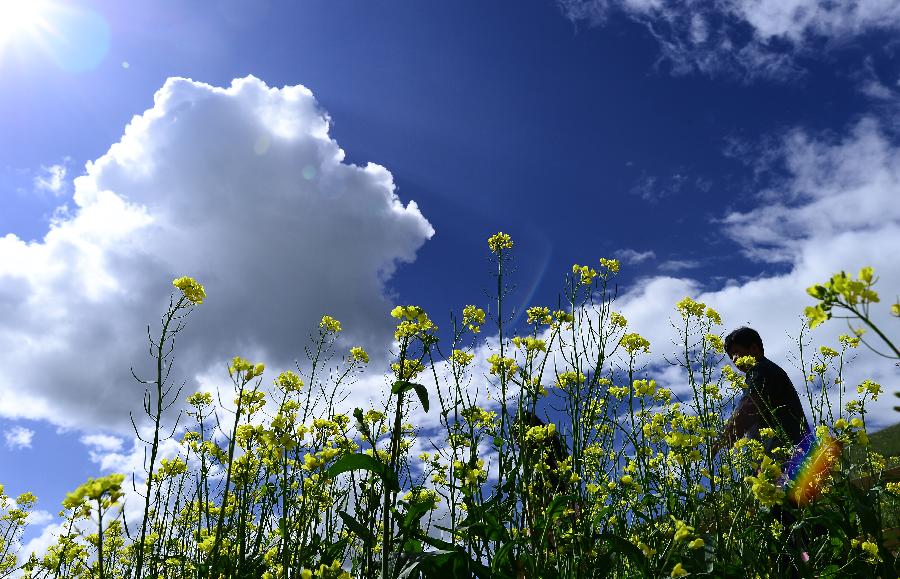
(886, 441)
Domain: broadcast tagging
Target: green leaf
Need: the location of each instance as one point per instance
(449, 561)
(359, 461)
(358, 528)
(619, 545)
(401, 386)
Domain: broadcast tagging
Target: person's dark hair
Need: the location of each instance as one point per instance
(745, 337)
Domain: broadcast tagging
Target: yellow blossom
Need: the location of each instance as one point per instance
(357, 354)
(502, 365)
(815, 315)
(689, 308)
(586, 273)
(617, 319)
(610, 264)
(634, 342)
(462, 358)
(828, 352)
(289, 381)
(192, 290)
(678, 571)
(745, 362)
(539, 315)
(330, 325)
(871, 387)
(473, 318)
(499, 241)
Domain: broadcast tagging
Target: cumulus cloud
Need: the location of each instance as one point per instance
(240, 187)
(745, 37)
(18, 437)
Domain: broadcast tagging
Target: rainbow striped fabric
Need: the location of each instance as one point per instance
(808, 470)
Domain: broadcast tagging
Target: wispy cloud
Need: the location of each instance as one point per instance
(676, 265)
(51, 180)
(18, 437)
(631, 256)
(744, 38)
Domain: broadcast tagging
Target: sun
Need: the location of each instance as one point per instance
(23, 18)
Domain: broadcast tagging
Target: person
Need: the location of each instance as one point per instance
(769, 401)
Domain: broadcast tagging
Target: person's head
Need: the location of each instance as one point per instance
(744, 341)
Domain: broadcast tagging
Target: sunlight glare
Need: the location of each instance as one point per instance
(19, 17)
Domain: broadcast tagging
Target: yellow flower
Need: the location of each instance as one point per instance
(330, 325)
(678, 571)
(713, 316)
(895, 310)
(873, 388)
(697, 543)
(586, 273)
(499, 241)
(539, 315)
(357, 354)
(618, 319)
(289, 382)
(871, 550)
(682, 530)
(192, 290)
(461, 358)
(611, 264)
(249, 369)
(764, 486)
(501, 365)
(828, 352)
(95, 489)
(473, 318)
(745, 362)
(634, 342)
(840, 424)
(198, 399)
(690, 308)
(816, 315)
(411, 369)
(716, 343)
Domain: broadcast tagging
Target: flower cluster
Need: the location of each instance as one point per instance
(193, 291)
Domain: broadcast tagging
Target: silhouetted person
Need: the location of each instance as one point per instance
(769, 401)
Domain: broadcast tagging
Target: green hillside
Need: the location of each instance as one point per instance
(887, 440)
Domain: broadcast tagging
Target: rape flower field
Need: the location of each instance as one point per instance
(618, 479)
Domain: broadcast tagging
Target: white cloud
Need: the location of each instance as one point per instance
(835, 189)
(52, 179)
(632, 256)
(39, 517)
(836, 210)
(240, 187)
(102, 442)
(745, 37)
(674, 265)
(18, 437)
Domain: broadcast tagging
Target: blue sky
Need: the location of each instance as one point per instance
(735, 152)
